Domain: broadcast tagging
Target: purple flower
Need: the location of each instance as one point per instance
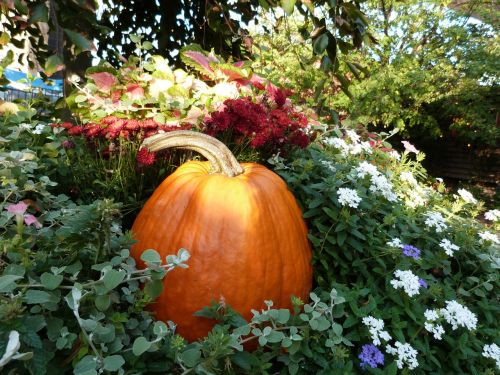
(422, 283)
(68, 144)
(411, 251)
(371, 356)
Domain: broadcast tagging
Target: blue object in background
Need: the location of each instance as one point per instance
(15, 76)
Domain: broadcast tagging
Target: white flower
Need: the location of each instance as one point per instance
(364, 168)
(395, 242)
(492, 351)
(437, 330)
(431, 315)
(466, 196)
(348, 197)
(408, 281)
(13, 346)
(406, 355)
(492, 215)
(382, 186)
(376, 329)
(458, 315)
(408, 177)
(38, 129)
(337, 143)
(395, 155)
(448, 247)
(435, 220)
(353, 136)
(488, 236)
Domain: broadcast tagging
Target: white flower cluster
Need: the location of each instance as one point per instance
(416, 195)
(364, 168)
(406, 355)
(395, 155)
(354, 148)
(38, 129)
(488, 236)
(376, 329)
(436, 329)
(382, 186)
(458, 315)
(492, 351)
(467, 196)
(408, 177)
(492, 215)
(395, 242)
(408, 281)
(348, 197)
(448, 247)
(435, 220)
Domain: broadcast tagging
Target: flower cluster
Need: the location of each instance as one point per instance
(458, 315)
(488, 236)
(266, 126)
(380, 185)
(376, 329)
(408, 281)
(406, 355)
(415, 195)
(431, 316)
(355, 147)
(448, 247)
(371, 356)
(492, 215)
(492, 351)
(411, 251)
(467, 196)
(348, 197)
(435, 220)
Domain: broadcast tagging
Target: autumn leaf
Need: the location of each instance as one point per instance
(103, 80)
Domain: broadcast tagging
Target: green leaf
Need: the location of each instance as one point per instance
(320, 44)
(39, 13)
(7, 283)
(113, 278)
(140, 346)
(82, 43)
(21, 6)
(38, 296)
(151, 256)
(288, 6)
(283, 316)
(113, 363)
(154, 288)
(51, 281)
(53, 64)
(191, 357)
(102, 302)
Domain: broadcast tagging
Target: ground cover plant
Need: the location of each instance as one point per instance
(405, 277)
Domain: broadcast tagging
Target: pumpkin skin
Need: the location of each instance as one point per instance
(246, 236)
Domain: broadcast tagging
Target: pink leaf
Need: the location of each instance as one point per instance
(135, 91)
(200, 59)
(103, 80)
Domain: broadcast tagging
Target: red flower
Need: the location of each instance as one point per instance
(145, 157)
(76, 130)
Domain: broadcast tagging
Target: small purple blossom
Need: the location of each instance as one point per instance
(422, 283)
(371, 356)
(18, 208)
(411, 251)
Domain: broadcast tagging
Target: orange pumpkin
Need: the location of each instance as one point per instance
(242, 226)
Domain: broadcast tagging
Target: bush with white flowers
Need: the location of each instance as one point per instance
(418, 270)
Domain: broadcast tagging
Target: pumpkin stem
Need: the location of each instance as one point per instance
(220, 157)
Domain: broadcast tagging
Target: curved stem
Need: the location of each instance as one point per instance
(220, 157)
